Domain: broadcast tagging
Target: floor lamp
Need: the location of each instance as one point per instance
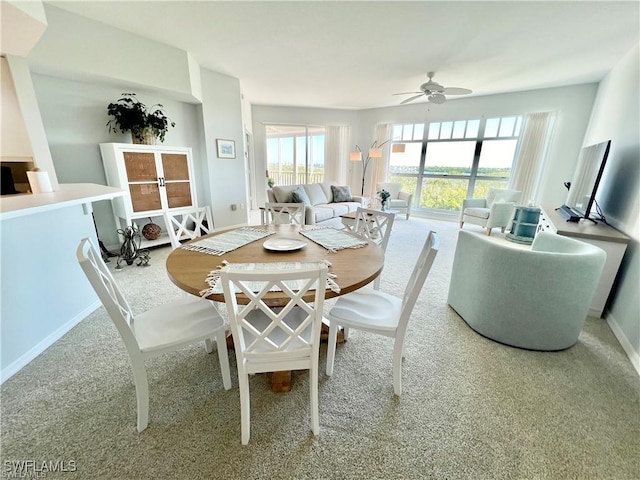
(374, 153)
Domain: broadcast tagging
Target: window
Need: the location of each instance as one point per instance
(295, 153)
(445, 162)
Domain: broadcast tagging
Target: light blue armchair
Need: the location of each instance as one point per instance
(535, 298)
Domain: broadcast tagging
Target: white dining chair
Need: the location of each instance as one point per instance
(163, 329)
(374, 225)
(275, 339)
(188, 224)
(283, 213)
(379, 312)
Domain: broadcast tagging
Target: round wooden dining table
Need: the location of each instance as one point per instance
(353, 267)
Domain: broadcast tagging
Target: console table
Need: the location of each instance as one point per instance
(613, 242)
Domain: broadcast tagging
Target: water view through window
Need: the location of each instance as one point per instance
(445, 162)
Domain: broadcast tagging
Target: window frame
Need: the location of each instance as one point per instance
(473, 177)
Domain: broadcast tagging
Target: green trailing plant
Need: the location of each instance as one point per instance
(131, 115)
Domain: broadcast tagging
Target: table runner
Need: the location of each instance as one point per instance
(228, 241)
(213, 279)
(332, 239)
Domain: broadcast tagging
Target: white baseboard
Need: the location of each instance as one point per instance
(17, 365)
(624, 342)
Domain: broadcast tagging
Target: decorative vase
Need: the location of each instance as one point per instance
(384, 206)
(143, 137)
(130, 245)
(151, 231)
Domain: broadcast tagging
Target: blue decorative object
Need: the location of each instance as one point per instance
(524, 225)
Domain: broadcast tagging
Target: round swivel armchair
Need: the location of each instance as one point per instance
(535, 298)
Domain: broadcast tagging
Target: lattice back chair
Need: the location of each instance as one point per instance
(284, 213)
(188, 224)
(274, 339)
(374, 225)
(378, 312)
(160, 330)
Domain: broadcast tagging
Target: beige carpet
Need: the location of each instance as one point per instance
(471, 408)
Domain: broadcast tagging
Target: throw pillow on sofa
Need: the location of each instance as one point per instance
(298, 195)
(341, 193)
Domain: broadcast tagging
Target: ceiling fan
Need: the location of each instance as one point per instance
(434, 92)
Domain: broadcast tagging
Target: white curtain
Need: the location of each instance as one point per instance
(336, 153)
(530, 155)
(378, 168)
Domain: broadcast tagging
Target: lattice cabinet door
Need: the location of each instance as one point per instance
(142, 177)
(177, 179)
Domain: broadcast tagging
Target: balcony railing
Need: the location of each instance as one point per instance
(289, 178)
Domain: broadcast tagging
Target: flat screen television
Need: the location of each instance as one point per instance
(584, 184)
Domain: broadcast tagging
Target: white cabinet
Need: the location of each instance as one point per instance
(613, 242)
(158, 179)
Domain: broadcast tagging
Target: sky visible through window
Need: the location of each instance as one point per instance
(461, 159)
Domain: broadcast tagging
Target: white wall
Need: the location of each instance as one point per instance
(14, 141)
(98, 52)
(222, 119)
(38, 256)
(616, 116)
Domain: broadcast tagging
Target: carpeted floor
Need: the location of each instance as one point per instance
(471, 408)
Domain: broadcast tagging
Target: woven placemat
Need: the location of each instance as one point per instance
(213, 279)
(228, 241)
(333, 239)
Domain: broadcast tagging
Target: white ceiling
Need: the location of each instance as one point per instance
(356, 54)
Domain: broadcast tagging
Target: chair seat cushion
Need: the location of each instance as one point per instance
(322, 213)
(367, 308)
(157, 328)
(316, 194)
(395, 202)
(477, 212)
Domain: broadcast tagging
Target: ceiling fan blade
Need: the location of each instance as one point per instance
(405, 93)
(456, 91)
(410, 99)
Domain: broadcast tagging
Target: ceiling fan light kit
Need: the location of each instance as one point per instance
(434, 92)
(436, 98)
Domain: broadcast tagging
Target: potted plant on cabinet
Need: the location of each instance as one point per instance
(145, 124)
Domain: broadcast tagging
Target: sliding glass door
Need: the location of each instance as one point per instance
(295, 153)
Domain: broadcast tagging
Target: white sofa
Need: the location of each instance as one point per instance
(322, 210)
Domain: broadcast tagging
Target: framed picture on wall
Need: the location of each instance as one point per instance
(226, 148)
